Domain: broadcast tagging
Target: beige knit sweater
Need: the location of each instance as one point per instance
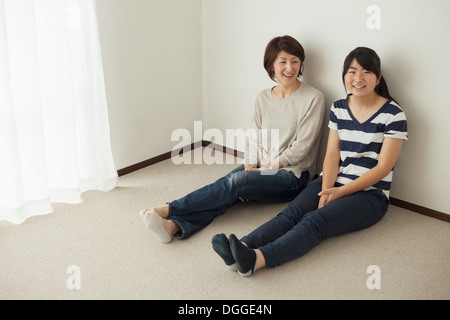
(288, 129)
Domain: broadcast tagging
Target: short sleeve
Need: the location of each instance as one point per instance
(332, 124)
(397, 127)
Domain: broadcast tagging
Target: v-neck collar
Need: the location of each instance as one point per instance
(371, 117)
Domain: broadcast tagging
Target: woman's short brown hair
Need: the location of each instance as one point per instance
(278, 44)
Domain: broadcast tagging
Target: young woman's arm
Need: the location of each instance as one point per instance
(388, 156)
(330, 164)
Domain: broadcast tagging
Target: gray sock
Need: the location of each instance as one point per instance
(245, 257)
(221, 246)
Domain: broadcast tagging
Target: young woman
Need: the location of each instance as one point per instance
(271, 173)
(367, 130)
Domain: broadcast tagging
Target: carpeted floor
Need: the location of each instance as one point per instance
(100, 249)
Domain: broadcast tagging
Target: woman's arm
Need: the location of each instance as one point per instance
(330, 165)
(253, 142)
(386, 161)
(309, 129)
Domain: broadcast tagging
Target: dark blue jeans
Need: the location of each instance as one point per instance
(301, 226)
(199, 208)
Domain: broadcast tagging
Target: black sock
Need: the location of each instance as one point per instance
(221, 246)
(244, 256)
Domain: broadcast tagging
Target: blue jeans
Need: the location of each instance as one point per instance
(301, 226)
(199, 208)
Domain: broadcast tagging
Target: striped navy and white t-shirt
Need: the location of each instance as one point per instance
(361, 142)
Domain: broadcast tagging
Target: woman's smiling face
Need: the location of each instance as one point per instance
(359, 81)
(286, 68)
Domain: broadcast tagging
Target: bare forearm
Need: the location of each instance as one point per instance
(365, 181)
(330, 172)
(332, 161)
(388, 157)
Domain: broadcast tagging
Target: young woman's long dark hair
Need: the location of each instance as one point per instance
(370, 61)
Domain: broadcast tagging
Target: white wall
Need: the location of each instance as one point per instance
(152, 63)
(170, 62)
(413, 44)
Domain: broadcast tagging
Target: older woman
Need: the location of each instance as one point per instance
(271, 172)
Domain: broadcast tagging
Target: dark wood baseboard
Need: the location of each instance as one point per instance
(162, 157)
(419, 209)
(236, 153)
(394, 201)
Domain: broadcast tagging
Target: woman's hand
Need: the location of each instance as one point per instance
(329, 195)
(252, 168)
(274, 165)
(322, 201)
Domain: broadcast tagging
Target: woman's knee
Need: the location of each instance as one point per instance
(307, 200)
(240, 178)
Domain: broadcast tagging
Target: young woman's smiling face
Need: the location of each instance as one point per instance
(359, 81)
(287, 68)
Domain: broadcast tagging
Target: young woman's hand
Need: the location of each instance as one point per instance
(322, 201)
(329, 195)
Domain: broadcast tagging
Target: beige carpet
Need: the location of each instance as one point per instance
(116, 257)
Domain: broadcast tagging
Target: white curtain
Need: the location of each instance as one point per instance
(54, 130)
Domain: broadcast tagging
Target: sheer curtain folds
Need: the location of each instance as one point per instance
(54, 129)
